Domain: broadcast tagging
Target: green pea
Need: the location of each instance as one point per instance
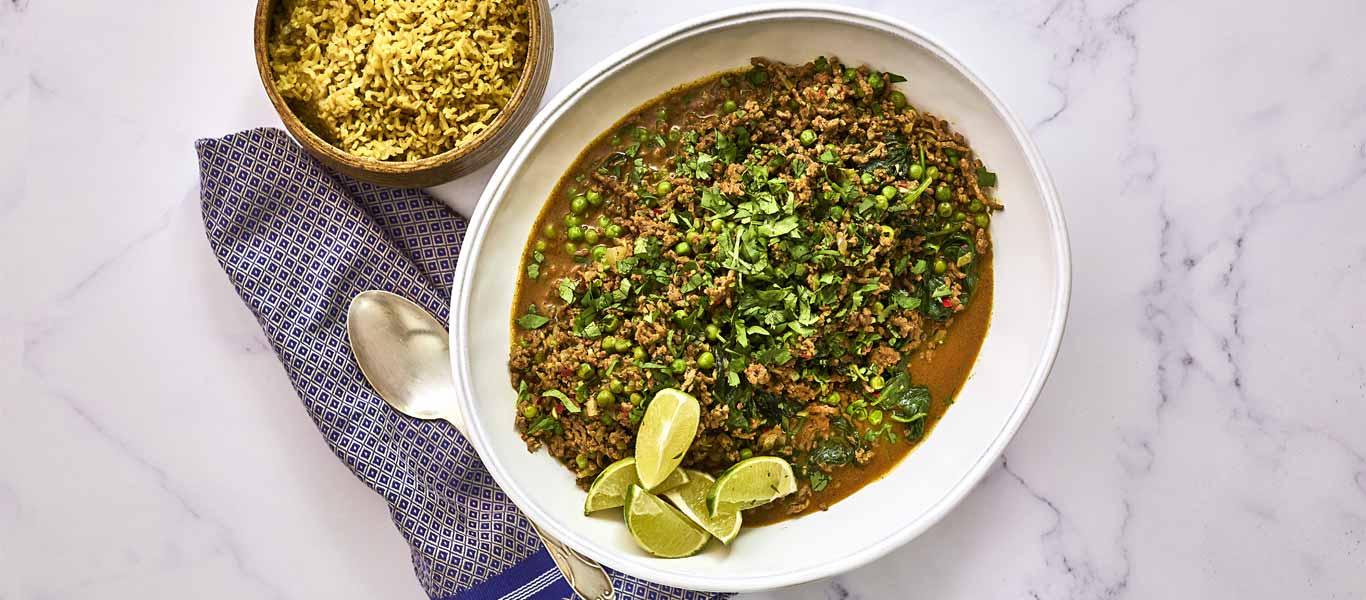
(945, 209)
(981, 220)
(591, 236)
(616, 386)
(888, 192)
(609, 343)
(706, 360)
(682, 248)
(807, 137)
(833, 398)
(917, 171)
(675, 133)
(549, 230)
(959, 217)
(581, 461)
(574, 233)
(679, 366)
(713, 332)
(603, 221)
(881, 202)
(940, 266)
(664, 187)
(729, 106)
(975, 206)
(932, 172)
(572, 220)
(578, 205)
(541, 245)
(570, 247)
(599, 253)
(530, 411)
(898, 99)
(717, 225)
(746, 453)
(942, 193)
(605, 398)
(623, 345)
(614, 231)
(594, 197)
(570, 192)
(636, 399)
(877, 382)
(875, 81)
(638, 353)
(585, 371)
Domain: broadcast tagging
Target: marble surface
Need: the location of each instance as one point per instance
(1203, 434)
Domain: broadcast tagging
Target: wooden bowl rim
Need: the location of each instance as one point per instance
(535, 39)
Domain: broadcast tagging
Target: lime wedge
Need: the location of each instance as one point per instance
(750, 483)
(677, 478)
(659, 528)
(609, 488)
(666, 432)
(691, 500)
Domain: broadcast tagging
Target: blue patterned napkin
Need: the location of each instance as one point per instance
(298, 242)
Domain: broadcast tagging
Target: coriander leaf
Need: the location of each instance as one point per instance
(818, 480)
(780, 227)
(566, 290)
(985, 178)
(532, 319)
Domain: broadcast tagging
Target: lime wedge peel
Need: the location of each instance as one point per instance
(691, 500)
(659, 528)
(749, 483)
(609, 488)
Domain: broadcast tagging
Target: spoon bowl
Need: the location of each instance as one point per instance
(404, 353)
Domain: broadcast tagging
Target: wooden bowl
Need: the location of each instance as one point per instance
(433, 170)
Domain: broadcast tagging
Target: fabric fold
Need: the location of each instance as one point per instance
(298, 241)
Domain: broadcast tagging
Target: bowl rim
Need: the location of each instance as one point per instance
(606, 68)
(538, 19)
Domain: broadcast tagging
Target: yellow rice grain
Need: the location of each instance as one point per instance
(398, 79)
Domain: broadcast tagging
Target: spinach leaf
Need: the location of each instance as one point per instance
(905, 403)
(569, 405)
(547, 423)
(832, 453)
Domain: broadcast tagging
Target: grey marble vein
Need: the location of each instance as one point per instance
(1201, 435)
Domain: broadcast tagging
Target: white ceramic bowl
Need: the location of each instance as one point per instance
(1032, 272)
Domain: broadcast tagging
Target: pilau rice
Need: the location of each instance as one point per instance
(398, 79)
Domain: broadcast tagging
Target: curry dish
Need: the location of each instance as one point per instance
(796, 246)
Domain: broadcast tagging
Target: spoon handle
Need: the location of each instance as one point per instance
(587, 578)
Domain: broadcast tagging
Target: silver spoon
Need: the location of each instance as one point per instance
(404, 353)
